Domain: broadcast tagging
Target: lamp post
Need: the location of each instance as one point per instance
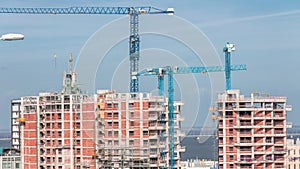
(12, 37)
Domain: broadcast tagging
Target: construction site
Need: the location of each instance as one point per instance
(71, 129)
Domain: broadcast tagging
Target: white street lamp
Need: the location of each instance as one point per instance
(11, 37)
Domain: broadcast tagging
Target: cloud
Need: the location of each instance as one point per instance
(249, 18)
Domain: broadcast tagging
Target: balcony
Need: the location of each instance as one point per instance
(182, 149)
(157, 127)
(279, 151)
(279, 143)
(153, 136)
(244, 143)
(245, 117)
(156, 108)
(243, 125)
(152, 117)
(245, 161)
(259, 151)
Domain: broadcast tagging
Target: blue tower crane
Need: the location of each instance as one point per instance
(133, 12)
(170, 71)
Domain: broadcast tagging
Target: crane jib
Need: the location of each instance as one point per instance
(87, 10)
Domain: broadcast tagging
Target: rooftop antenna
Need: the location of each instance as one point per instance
(70, 63)
(55, 56)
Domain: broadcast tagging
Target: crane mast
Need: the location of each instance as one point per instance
(134, 52)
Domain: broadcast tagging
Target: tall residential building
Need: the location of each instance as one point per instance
(57, 129)
(293, 153)
(9, 158)
(251, 131)
(15, 125)
(133, 130)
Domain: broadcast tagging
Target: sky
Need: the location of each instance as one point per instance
(266, 34)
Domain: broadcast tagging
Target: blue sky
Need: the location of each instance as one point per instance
(266, 34)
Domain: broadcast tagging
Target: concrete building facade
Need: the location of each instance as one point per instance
(15, 125)
(10, 158)
(57, 129)
(135, 131)
(71, 130)
(251, 131)
(293, 153)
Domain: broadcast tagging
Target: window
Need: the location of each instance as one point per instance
(53, 133)
(230, 149)
(48, 133)
(145, 133)
(116, 114)
(59, 159)
(109, 124)
(78, 151)
(116, 124)
(66, 106)
(132, 114)
(47, 116)
(131, 142)
(59, 151)
(48, 151)
(131, 133)
(59, 133)
(78, 125)
(78, 133)
(59, 142)
(230, 131)
(231, 157)
(48, 160)
(116, 142)
(78, 159)
(109, 114)
(109, 105)
(48, 142)
(116, 105)
(47, 125)
(131, 123)
(116, 133)
(109, 133)
(77, 116)
(78, 142)
(145, 142)
(131, 105)
(59, 115)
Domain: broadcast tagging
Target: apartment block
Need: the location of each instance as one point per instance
(293, 153)
(251, 131)
(15, 125)
(57, 129)
(72, 130)
(9, 158)
(133, 130)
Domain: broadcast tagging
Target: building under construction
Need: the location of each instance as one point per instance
(252, 131)
(57, 129)
(133, 130)
(70, 130)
